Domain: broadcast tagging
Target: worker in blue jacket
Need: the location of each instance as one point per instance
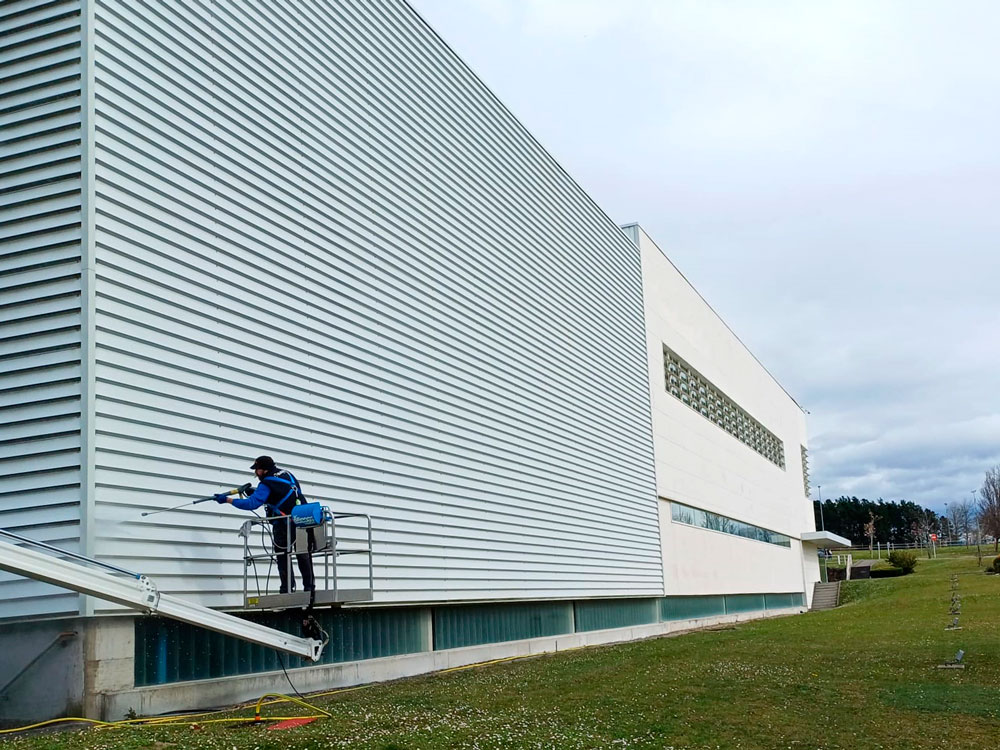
(280, 492)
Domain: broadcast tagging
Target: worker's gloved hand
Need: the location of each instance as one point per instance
(222, 497)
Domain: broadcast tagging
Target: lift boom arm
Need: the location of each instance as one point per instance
(139, 592)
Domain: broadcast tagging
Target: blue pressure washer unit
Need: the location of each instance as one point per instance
(307, 515)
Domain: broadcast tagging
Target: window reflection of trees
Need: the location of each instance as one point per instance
(714, 522)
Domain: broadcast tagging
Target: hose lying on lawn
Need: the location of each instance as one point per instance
(160, 721)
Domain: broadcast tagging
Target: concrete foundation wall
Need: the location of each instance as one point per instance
(41, 670)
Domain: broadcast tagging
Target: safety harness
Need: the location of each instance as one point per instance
(283, 484)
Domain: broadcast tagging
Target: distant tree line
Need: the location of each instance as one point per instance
(866, 521)
(860, 520)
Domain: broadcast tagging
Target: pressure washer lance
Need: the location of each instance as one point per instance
(242, 491)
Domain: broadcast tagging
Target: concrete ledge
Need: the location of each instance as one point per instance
(226, 691)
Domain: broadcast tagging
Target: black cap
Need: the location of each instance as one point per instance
(263, 462)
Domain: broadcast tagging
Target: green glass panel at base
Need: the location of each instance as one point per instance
(475, 624)
(691, 607)
(744, 603)
(600, 614)
(169, 651)
(782, 601)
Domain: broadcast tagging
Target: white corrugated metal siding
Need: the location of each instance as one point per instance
(40, 287)
(319, 236)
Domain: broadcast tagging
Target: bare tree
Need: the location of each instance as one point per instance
(870, 529)
(947, 530)
(922, 530)
(989, 506)
(977, 534)
(960, 515)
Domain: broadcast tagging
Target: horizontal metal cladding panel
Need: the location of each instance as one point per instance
(220, 533)
(169, 651)
(319, 236)
(47, 400)
(350, 378)
(40, 219)
(19, 367)
(135, 364)
(55, 383)
(44, 339)
(52, 510)
(62, 475)
(21, 597)
(412, 490)
(600, 614)
(61, 244)
(471, 625)
(202, 559)
(744, 603)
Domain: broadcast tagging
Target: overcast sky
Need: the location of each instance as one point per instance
(825, 174)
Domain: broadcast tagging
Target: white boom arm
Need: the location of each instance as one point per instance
(139, 592)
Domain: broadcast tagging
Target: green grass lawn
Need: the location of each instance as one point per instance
(860, 676)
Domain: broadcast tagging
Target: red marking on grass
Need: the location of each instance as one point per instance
(291, 723)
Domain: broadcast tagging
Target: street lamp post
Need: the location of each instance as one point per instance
(973, 510)
(979, 533)
(822, 525)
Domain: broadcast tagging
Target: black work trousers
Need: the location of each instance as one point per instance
(283, 529)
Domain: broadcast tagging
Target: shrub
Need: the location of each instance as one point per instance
(905, 561)
(887, 573)
(836, 574)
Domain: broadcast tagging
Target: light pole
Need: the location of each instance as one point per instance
(973, 510)
(819, 489)
(979, 533)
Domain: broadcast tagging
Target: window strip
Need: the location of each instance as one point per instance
(703, 519)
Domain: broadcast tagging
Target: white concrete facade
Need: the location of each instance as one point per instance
(701, 465)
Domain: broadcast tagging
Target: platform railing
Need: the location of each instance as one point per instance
(333, 539)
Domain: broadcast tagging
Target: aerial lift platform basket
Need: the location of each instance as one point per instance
(335, 535)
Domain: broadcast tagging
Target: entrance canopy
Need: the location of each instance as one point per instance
(825, 539)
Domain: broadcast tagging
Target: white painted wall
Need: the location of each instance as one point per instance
(810, 569)
(701, 465)
(700, 561)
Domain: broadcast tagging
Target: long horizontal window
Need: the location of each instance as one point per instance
(705, 520)
(692, 388)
